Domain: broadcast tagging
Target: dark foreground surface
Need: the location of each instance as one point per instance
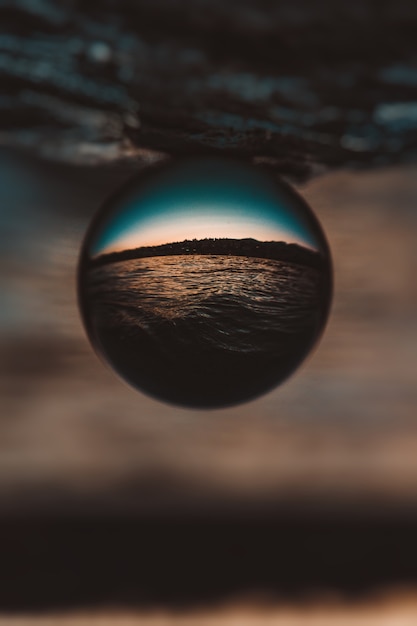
(173, 562)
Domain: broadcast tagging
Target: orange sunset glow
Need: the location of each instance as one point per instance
(200, 226)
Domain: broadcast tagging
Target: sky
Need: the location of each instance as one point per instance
(197, 202)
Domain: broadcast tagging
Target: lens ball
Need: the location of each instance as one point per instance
(204, 282)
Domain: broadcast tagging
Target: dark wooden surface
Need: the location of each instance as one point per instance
(299, 86)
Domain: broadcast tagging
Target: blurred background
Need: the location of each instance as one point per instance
(299, 508)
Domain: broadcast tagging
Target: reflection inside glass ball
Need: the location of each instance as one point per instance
(204, 283)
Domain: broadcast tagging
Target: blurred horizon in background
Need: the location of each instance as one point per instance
(366, 354)
(319, 474)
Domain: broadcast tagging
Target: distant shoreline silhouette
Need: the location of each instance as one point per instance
(275, 250)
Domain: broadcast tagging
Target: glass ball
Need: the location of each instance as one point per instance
(204, 282)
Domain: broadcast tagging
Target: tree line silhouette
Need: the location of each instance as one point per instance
(276, 250)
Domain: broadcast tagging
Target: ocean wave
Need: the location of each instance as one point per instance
(234, 304)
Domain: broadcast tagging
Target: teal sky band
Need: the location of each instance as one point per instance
(233, 196)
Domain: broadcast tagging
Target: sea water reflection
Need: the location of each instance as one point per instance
(232, 303)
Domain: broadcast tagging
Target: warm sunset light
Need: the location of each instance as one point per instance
(190, 290)
(200, 225)
(201, 201)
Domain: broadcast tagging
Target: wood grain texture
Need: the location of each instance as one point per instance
(300, 86)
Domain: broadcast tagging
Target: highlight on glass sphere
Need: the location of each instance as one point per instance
(204, 283)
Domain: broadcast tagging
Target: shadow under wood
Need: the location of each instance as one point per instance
(52, 563)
